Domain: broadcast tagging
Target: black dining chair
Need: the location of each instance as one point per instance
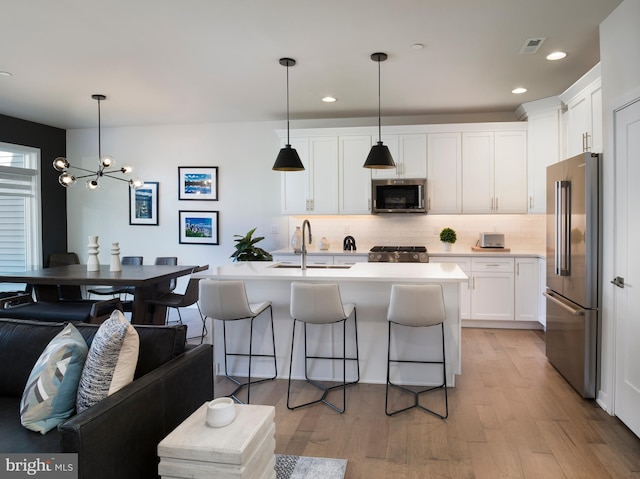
(171, 261)
(118, 290)
(189, 298)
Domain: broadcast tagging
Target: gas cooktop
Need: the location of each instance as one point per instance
(398, 254)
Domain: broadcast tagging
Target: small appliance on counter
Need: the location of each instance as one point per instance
(349, 243)
(491, 240)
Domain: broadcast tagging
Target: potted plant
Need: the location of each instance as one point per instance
(448, 237)
(246, 249)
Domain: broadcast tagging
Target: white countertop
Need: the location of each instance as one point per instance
(434, 252)
(396, 272)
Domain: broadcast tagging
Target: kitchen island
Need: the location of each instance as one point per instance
(368, 285)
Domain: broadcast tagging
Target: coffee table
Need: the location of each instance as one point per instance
(243, 449)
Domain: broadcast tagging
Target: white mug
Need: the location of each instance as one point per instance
(220, 412)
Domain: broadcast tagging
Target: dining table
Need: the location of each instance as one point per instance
(149, 282)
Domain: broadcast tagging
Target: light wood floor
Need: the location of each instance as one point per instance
(510, 416)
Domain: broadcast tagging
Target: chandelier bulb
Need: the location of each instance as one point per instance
(107, 161)
(60, 163)
(92, 184)
(136, 183)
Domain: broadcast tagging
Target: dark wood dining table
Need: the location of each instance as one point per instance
(149, 281)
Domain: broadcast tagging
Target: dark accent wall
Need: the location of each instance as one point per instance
(52, 142)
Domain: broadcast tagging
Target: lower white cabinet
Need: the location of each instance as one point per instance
(492, 289)
(321, 259)
(499, 288)
(527, 283)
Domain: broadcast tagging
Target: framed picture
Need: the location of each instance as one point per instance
(198, 183)
(143, 204)
(198, 227)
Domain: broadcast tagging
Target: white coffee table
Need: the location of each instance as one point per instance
(243, 449)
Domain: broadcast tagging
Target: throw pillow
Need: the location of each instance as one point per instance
(50, 395)
(111, 362)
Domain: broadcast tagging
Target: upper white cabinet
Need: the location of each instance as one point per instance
(444, 173)
(409, 153)
(494, 172)
(543, 142)
(583, 118)
(477, 172)
(314, 190)
(354, 180)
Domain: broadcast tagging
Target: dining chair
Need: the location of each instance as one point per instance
(118, 290)
(189, 298)
(168, 260)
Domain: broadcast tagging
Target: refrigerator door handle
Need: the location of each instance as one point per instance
(565, 228)
(557, 252)
(563, 305)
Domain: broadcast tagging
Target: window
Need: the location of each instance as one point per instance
(20, 230)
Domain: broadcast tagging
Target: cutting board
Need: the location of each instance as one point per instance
(490, 250)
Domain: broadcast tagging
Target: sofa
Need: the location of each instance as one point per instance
(117, 437)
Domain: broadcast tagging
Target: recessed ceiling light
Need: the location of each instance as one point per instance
(5, 74)
(519, 90)
(329, 99)
(556, 56)
(417, 46)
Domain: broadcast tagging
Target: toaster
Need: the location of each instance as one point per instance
(491, 240)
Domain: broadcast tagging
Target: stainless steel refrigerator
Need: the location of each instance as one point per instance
(573, 264)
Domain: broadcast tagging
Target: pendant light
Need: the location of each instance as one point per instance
(106, 165)
(379, 156)
(288, 159)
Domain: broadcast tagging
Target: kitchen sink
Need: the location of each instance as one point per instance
(313, 266)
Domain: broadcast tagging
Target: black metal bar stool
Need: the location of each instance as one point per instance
(227, 301)
(417, 306)
(320, 303)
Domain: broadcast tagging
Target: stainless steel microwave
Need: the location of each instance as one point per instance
(400, 195)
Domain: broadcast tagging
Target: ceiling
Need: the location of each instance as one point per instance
(195, 61)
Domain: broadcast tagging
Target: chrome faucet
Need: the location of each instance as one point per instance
(303, 256)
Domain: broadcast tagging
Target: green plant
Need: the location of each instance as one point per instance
(447, 235)
(246, 249)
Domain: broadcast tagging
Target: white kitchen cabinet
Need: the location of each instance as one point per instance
(492, 289)
(465, 288)
(584, 121)
(314, 190)
(409, 153)
(494, 172)
(510, 172)
(527, 282)
(543, 144)
(444, 173)
(354, 180)
(350, 259)
(477, 172)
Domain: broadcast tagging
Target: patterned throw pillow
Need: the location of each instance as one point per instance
(111, 362)
(50, 395)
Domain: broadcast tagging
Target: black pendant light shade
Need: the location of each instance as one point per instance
(288, 159)
(379, 157)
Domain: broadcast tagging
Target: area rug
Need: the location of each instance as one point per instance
(302, 467)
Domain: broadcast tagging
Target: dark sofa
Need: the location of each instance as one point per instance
(117, 437)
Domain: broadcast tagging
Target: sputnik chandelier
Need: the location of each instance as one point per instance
(106, 165)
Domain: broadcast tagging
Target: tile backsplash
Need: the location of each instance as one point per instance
(522, 232)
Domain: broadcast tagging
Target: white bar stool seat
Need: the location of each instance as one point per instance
(227, 301)
(417, 306)
(320, 303)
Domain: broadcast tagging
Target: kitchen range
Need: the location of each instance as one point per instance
(398, 254)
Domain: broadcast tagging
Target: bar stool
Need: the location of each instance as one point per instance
(227, 301)
(417, 306)
(320, 303)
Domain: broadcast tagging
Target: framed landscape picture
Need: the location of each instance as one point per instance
(143, 204)
(198, 227)
(198, 183)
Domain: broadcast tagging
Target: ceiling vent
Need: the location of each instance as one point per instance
(531, 45)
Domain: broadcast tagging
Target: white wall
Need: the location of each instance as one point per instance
(249, 191)
(620, 63)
